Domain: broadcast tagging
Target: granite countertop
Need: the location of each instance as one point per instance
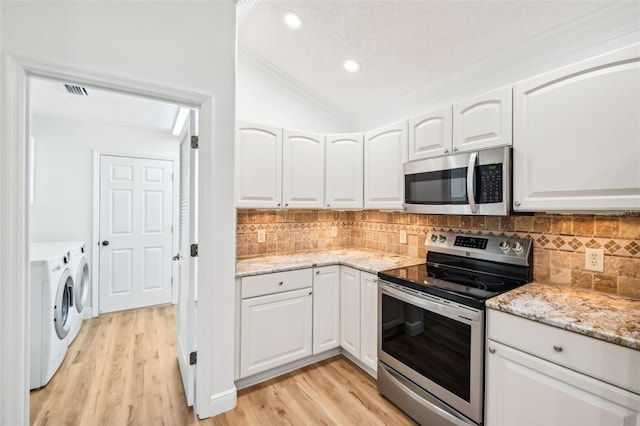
(612, 318)
(365, 260)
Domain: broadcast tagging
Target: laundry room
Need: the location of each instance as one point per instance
(79, 135)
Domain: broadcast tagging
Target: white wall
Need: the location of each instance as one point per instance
(63, 190)
(265, 97)
(181, 50)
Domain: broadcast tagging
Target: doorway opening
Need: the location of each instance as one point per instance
(106, 165)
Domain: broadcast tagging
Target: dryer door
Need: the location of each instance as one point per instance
(64, 302)
(81, 285)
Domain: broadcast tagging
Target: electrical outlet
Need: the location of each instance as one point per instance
(262, 236)
(594, 259)
(334, 231)
(403, 237)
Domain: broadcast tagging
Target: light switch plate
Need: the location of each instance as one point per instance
(334, 231)
(403, 237)
(262, 236)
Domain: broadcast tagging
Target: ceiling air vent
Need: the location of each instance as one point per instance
(76, 90)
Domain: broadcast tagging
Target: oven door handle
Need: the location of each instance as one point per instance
(463, 315)
(471, 171)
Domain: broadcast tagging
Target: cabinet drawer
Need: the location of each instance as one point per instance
(606, 361)
(260, 285)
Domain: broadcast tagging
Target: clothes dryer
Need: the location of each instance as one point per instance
(81, 283)
(51, 304)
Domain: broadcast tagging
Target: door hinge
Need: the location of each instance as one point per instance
(194, 142)
(194, 250)
(193, 358)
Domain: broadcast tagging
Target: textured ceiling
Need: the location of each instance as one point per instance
(50, 98)
(401, 45)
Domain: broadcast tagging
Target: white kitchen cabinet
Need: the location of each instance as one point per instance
(430, 135)
(359, 315)
(258, 166)
(326, 308)
(303, 157)
(576, 136)
(542, 375)
(369, 320)
(344, 171)
(350, 310)
(275, 320)
(483, 121)
(385, 151)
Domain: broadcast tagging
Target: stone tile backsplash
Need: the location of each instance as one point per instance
(559, 240)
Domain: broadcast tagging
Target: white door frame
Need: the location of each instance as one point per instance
(95, 232)
(215, 393)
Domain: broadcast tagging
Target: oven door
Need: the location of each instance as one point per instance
(436, 344)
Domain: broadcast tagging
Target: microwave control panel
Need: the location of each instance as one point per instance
(490, 178)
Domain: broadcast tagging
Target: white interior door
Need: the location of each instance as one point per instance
(187, 265)
(136, 196)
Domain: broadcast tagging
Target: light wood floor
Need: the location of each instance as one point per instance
(122, 370)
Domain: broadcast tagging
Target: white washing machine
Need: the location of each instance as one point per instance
(81, 283)
(74, 265)
(51, 305)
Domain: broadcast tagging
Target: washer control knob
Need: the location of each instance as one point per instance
(434, 238)
(504, 245)
(517, 247)
(442, 239)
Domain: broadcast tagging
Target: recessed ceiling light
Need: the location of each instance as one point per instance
(351, 65)
(292, 20)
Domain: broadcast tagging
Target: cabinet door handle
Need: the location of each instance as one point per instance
(281, 282)
(317, 272)
(557, 348)
(446, 150)
(492, 350)
(455, 148)
(517, 203)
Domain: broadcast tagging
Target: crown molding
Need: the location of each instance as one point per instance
(251, 60)
(590, 35)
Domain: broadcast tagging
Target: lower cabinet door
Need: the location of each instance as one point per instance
(525, 390)
(275, 329)
(326, 308)
(350, 310)
(369, 320)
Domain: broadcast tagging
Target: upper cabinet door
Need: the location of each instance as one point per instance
(303, 170)
(385, 151)
(344, 169)
(577, 136)
(258, 166)
(430, 135)
(483, 121)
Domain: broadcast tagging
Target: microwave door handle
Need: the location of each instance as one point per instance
(470, 186)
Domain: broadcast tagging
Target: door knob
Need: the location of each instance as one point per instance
(176, 257)
(105, 243)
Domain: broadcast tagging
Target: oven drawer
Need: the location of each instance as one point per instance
(259, 285)
(606, 361)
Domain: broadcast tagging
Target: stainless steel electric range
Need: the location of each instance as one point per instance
(431, 324)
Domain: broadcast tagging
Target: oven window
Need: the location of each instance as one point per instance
(438, 188)
(433, 345)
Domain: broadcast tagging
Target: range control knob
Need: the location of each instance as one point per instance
(517, 247)
(504, 245)
(442, 238)
(434, 238)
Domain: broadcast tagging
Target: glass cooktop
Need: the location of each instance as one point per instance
(471, 288)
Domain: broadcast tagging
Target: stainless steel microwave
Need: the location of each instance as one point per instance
(471, 183)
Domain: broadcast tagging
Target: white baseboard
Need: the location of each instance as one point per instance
(87, 313)
(219, 403)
